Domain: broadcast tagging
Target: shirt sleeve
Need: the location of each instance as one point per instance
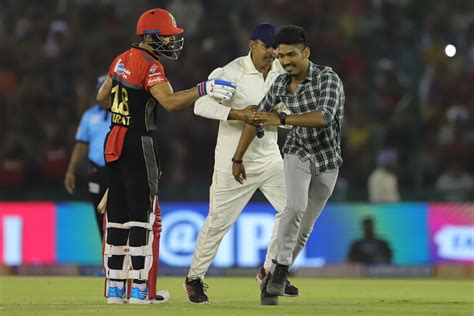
(83, 133)
(155, 75)
(207, 106)
(329, 91)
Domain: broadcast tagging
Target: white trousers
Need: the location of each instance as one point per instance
(227, 200)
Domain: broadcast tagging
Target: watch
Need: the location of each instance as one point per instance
(283, 117)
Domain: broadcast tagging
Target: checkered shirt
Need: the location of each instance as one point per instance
(322, 90)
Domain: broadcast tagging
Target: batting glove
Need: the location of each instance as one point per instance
(220, 89)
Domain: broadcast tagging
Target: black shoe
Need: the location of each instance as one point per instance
(276, 283)
(290, 289)
(195, 289)
(265, 298)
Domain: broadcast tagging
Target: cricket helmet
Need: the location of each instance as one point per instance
(166, 37)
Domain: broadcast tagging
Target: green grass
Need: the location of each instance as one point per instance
(240, 296)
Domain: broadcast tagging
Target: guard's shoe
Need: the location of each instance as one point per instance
(290, 289)
(265, 298)
(138, 296)
(261, 275)
(277, 281)
(195, 290)
(116, 295)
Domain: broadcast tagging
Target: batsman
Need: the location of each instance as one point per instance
(136, 84)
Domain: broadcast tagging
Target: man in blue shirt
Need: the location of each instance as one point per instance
(90, 137)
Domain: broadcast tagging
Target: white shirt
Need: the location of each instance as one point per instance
(263, 153)
(383, 187)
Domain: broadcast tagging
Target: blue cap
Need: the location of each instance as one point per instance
(264, 32)
(100, 81)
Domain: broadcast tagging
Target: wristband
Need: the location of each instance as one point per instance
(236, 161)
(201, 87)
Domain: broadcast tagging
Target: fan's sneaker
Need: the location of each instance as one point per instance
(265, 297)
(277, 281)
(290, 289)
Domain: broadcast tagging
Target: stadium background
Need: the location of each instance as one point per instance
(403, 93)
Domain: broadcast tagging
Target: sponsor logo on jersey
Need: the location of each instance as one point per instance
(155, 80)
(153, 68)
(121, 70)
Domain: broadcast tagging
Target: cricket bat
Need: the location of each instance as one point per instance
(103, 203)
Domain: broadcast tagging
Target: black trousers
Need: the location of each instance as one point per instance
(97, 187)
(133, 186)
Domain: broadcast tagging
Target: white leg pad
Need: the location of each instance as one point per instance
(145, 251)
(111, 250)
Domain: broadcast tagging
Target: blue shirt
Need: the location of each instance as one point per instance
(94, 126)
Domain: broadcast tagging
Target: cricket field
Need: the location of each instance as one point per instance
(21, 295)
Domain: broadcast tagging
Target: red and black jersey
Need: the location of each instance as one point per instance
(133, 72)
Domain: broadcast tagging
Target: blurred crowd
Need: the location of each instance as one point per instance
(404, 95)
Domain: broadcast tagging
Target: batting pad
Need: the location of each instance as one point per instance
(150, 251)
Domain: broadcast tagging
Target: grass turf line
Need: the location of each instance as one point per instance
(240, 296)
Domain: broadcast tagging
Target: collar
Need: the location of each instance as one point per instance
(150, 54)
(249, 66)
(313, 71)
(312, 75)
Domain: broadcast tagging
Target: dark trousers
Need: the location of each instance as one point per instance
(133, 186)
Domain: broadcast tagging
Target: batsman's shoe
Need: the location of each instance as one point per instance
(116, 295)
(290, 289)
(196, 291)
(162, 297)
(277, 281)
(265, 298)
(138, 296)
